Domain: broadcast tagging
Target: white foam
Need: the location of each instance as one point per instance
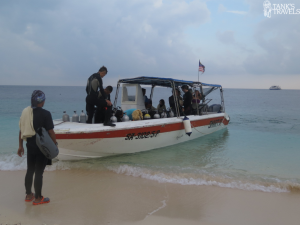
(59, 165)
(164, 204)
(186, 179)
(12, 162)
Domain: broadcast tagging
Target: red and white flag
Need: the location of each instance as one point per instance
(201, 67)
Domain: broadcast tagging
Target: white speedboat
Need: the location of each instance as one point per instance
(83, 141)
(274, 87)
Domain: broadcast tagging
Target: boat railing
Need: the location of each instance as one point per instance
(203, 88)
(204, 106)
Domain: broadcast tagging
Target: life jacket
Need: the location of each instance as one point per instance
(89, 89)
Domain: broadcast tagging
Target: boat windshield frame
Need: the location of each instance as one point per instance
(170, 83)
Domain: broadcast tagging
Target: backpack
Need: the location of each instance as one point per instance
(46, 144)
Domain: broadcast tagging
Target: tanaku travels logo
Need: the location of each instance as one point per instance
(279, 9)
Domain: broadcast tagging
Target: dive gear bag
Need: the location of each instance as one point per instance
(46, 144)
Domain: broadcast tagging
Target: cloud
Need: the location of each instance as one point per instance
(278, 37)
(226, 37)
(63, 42)
(237, 12)
(272, 48)
(222, 8)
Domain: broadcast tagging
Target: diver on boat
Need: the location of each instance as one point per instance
(148, 105)
(172, 102)
(161, 107)
(100, 112)
(187, 100)
(144, 94)
(97, 97)
(197, 97)
(151, 110)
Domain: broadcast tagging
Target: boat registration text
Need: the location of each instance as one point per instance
(142, 135)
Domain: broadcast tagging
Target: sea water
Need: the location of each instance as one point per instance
(258, 151)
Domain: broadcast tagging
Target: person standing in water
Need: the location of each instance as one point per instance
(32, 118)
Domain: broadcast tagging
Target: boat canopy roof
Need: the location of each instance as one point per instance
(164, 82)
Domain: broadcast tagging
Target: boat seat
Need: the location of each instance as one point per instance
(215, 108)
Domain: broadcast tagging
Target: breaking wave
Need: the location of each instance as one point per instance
(12, 162)
(209, 180)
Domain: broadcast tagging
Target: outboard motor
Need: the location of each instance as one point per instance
(156, 116)
(75, 117)
(65, 117)
(125, 118)
(82, 117)
(113, 118)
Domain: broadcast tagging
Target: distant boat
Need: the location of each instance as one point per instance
(275, 88)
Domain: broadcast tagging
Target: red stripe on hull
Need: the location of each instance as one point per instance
(123, 133)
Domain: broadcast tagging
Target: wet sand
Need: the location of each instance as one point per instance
(101, 197)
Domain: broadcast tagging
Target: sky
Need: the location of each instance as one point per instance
(63, 42)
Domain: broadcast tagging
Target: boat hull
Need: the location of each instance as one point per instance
(131, 137)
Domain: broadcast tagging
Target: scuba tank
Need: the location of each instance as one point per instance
(156, 115)
(171, 113)
(113, 118)
(82, 117)
(164, 114)
(125, 118)
(147, 116)
(75, 117)
(119, 114)
(65, 117)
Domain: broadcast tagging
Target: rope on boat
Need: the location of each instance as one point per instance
(59, 123)
(202, 132)
(197, 130)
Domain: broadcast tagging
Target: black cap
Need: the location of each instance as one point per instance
(185, 87)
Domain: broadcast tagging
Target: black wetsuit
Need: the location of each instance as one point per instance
(36, 161)
(187, 103)
(94, 98)
(100, 113)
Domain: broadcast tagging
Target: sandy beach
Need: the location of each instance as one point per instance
(101, 197)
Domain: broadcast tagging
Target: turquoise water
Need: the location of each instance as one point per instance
(258, 151)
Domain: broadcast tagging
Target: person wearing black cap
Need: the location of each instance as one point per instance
(187, 100)
(31, 119)
(96, 96)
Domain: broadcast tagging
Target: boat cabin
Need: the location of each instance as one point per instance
(132, 94)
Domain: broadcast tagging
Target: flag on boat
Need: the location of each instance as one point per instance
(201, 67)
